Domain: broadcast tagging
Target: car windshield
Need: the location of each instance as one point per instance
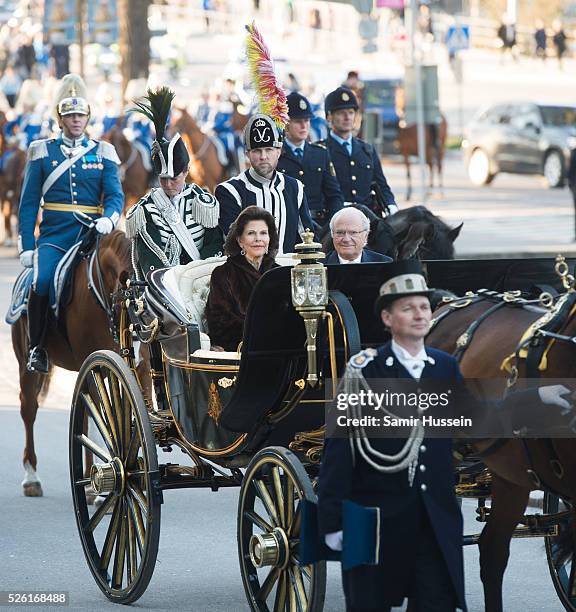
(379, 94)
(558, 116)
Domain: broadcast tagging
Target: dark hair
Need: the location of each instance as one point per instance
(251, 213)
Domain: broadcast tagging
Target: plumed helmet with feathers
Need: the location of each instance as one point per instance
(71, 97)
(169, 157)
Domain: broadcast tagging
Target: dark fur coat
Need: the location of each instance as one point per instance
(231, 286)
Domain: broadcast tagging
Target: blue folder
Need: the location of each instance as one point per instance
(361, 539)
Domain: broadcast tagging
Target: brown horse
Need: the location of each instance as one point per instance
(133, 173)
(205, 168)
(10, 189)
(84, 327)
(517, 466)
(435, 136)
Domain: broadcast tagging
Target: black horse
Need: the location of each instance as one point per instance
(412, 232)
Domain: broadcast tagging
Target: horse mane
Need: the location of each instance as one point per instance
(119, 246)
(439, 242)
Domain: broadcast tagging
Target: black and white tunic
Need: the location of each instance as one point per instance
(282, 196)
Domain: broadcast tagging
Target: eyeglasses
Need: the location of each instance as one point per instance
(351, 233)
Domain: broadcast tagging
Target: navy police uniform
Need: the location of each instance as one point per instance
(90, 185)
(311, 164)
(356, 169)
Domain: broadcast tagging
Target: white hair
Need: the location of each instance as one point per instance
(350, 209)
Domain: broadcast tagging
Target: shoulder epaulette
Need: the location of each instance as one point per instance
(363, 358)
(135, 219)
(38, 149)
(107, 151)
(204, 206)
(319, 143)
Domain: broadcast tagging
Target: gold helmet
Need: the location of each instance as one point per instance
(71, 96)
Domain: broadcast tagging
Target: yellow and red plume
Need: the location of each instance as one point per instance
(271, 95)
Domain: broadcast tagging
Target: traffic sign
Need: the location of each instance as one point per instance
(458, 38)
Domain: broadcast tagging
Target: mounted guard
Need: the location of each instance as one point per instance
(64, 176)
(177, 222)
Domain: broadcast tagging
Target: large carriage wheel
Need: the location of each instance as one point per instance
(274, 484)
(110, 421)
(560, 552)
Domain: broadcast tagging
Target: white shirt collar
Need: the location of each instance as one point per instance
(348, 261)
(413, 363)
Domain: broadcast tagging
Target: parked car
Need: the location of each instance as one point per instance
(522, 138)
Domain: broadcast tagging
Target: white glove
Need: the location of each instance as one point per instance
(27, 258)
(104, 225)
(552, 394)
(334, 540)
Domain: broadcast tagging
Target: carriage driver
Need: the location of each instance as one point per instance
(63, 175)
(411, 480)
(177, 222)
(356, 162)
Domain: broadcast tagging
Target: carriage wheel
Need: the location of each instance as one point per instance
(560, 552)
(274, 484)
(110, 421)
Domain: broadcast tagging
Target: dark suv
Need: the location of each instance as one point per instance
(522, 138)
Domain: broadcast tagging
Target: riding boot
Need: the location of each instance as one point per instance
(37, 323)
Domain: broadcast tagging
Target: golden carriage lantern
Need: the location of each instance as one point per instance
(309, 294)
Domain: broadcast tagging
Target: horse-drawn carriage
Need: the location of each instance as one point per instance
(251, 419)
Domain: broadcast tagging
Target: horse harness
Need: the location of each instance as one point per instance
(533, 348)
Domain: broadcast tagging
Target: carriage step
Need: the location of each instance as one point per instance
(519, 532)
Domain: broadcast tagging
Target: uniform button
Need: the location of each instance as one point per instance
(422, 449)
(353, 191)
(352, 162)
(300, 172)
(73, 184)
(367, 165)
(422, 467)
(353, 178)
(73, 176)
(319, 169)
(282, 170)
(423, 487)
(75, 202)
(73, 165)
(74, 193)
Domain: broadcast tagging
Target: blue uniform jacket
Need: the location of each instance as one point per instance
(316, 171)
(368, 256)
(282, 196)
(357, 172)
(91, 182)
(342, 478)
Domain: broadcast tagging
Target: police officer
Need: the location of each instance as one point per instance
(310, 163)
(69, 173)
(356, 162)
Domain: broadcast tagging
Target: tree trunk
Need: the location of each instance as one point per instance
(134, 39)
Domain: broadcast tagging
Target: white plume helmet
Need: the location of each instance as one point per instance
(71, 96)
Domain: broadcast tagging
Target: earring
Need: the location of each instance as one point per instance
(242, 252)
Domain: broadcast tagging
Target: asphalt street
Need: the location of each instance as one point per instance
(197, 567)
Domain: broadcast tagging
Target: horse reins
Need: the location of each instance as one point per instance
(98, 292)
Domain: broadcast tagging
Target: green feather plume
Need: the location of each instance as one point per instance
(156, 106)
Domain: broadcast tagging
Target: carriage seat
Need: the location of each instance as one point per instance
(190, 284)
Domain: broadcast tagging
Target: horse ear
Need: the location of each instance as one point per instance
(455, 232)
